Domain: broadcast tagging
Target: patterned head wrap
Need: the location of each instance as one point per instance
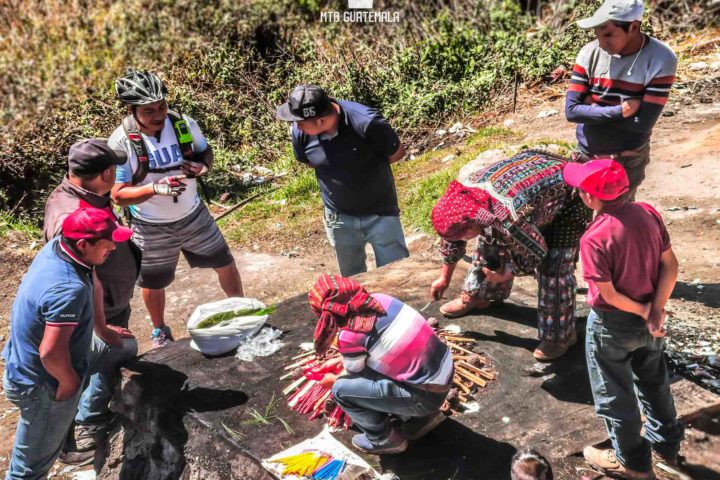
(460, 208)
(341, 303)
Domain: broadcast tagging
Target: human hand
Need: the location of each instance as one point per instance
(67, 389)
(646, 309)
(630, 107)
(328, 380)
(329, 365)
(438, 287)
(656, 323)
(122, 332)
(194, 169)
(497, 276)
(171, 186)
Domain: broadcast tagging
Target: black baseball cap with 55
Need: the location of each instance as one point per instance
(93, 155)
(305, 102)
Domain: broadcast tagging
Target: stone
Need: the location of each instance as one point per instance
(548, 113)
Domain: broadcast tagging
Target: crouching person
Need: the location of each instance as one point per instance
(631, 271)
(394, 362)
(52, 349)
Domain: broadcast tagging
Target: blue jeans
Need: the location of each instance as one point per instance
(628, 372)
(348, 234)
(41, 430)
(44, 422)
(103, 377)
(369, 397)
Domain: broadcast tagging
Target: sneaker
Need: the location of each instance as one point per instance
(77, 459)
(396, 443)
(463, 305)
(548, 351)
(418, 427)
(606, 461)
(161, 336)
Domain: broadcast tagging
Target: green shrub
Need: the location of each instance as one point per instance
(229, 64)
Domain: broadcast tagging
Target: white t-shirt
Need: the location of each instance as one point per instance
(164, 153)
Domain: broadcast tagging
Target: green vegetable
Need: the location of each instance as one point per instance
(217, 318)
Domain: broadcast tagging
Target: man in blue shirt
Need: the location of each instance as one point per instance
(351, 148)
(51, 347)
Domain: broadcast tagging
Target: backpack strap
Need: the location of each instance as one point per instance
(182, 134)
(185, 141)
(138, 145)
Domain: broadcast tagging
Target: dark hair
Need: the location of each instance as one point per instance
(72, 243)
(528, 464)
(624, 25)
(86, 176)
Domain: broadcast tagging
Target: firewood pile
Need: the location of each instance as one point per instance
(473, 371)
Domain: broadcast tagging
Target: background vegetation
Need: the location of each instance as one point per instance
(228, 63)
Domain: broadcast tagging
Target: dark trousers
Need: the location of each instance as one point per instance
(628, 373)
(634, 161)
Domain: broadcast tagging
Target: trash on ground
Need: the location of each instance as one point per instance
(263, 344)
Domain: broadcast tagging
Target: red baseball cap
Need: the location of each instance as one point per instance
(94, 223)
(604, 178)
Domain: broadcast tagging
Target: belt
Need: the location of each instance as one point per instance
(624, 153)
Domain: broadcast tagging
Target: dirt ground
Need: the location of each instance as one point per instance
(682, 183)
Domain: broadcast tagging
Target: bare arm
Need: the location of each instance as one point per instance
(622, 302)
(124, 194)
(55, 356)
(442, 283)
(98, 304)
(666, 284)
(206, 156)
(109, 334)
(398, 155)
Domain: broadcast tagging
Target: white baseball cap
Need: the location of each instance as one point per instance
(617, 10)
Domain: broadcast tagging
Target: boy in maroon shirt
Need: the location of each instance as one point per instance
(631, 271)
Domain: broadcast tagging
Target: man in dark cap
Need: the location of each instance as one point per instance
(351, 148)
(90, 177)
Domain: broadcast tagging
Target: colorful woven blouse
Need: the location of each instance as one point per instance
(533, 209)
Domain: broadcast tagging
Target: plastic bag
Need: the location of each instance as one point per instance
(227, 335)
(263, 344)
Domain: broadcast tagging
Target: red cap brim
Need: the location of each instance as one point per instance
(121, 234)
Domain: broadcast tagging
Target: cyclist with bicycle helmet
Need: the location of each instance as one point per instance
(166, 152)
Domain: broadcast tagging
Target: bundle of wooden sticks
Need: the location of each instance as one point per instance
(472, 370)
(307, 395)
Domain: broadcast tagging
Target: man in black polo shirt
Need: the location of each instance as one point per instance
(351, 147)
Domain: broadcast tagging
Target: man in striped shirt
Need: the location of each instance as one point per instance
(395, 363)
(620, 84)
